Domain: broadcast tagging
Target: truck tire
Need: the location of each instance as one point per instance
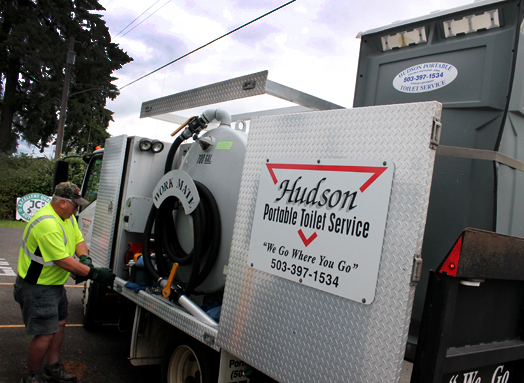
(89, 303)
(189, 361)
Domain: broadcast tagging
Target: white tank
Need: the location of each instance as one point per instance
(219, 168)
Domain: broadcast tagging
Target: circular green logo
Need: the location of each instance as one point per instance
(29, 204)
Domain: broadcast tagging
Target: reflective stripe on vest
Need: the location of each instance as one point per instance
(38, 258)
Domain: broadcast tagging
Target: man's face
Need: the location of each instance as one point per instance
(69, 207)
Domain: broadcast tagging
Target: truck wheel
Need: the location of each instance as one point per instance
(89, 302)
(189, 361)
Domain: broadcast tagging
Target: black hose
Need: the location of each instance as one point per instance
(198, 233)
(213, 231)
(145, 245)
(151, 221)
(206, 236)
(171, 154)
(162, 270)
(161, 263)
(172, 248)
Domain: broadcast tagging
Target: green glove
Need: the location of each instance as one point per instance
(85, 260)
(78, 279)
(101, 275)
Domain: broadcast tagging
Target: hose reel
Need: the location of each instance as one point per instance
(192, 212)
(206, 224)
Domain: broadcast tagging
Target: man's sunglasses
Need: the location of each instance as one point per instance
(76, 206)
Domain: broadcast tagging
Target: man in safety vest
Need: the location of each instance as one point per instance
(50, 240)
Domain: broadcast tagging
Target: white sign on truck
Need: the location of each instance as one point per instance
(307, 210)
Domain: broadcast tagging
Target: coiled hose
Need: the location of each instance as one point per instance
(206, 234)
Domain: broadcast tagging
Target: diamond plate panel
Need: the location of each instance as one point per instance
(107, 201)
(207, 95)
(171, 313)
(295, 333)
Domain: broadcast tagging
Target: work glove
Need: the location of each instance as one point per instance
(101, 275)
(85, 260)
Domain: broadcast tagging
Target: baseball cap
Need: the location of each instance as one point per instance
(71, 191)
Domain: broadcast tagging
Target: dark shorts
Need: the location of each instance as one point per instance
(42, 306)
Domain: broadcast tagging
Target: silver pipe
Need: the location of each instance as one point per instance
(196, 311)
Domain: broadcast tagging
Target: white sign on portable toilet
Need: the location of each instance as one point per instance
(425, 77)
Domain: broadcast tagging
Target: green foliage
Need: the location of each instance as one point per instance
(34, 39)
(13, 224)
(23, 174)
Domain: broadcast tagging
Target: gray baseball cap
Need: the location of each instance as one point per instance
(70, 191)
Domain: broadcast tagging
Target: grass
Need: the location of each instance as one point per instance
(13, 224)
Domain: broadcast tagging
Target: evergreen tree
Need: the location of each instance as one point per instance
(34, 38)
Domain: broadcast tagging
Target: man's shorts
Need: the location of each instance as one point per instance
(42, 306)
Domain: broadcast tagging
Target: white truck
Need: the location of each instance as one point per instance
(263, 233)
(297, 252)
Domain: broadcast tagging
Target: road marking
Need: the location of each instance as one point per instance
(21, 325)
(5, 269)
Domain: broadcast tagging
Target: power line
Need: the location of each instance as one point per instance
(168, 1)
(209, 43)
(136, 18)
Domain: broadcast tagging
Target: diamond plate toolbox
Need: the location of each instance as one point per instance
(298, 333)
(108, 195)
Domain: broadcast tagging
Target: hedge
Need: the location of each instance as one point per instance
(23, 174)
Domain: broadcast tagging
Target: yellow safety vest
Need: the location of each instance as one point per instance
(47, 238)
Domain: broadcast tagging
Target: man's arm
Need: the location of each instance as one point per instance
(81, 248)
(80, 269)
(73, 266)
(97, 274)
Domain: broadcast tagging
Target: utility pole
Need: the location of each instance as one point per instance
(71, 55)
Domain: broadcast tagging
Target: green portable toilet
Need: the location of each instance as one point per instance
(471, 59)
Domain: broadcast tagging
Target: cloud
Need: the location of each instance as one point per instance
(26, 148)
(309, 45)
(327, 45)
(228, 14)
(258, 4)
(337, 14)
(255, 34)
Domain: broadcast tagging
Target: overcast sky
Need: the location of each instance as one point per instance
(309, 45)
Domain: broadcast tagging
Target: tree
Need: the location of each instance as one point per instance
(34, 36)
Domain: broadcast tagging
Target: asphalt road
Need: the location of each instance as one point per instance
(94, 357)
